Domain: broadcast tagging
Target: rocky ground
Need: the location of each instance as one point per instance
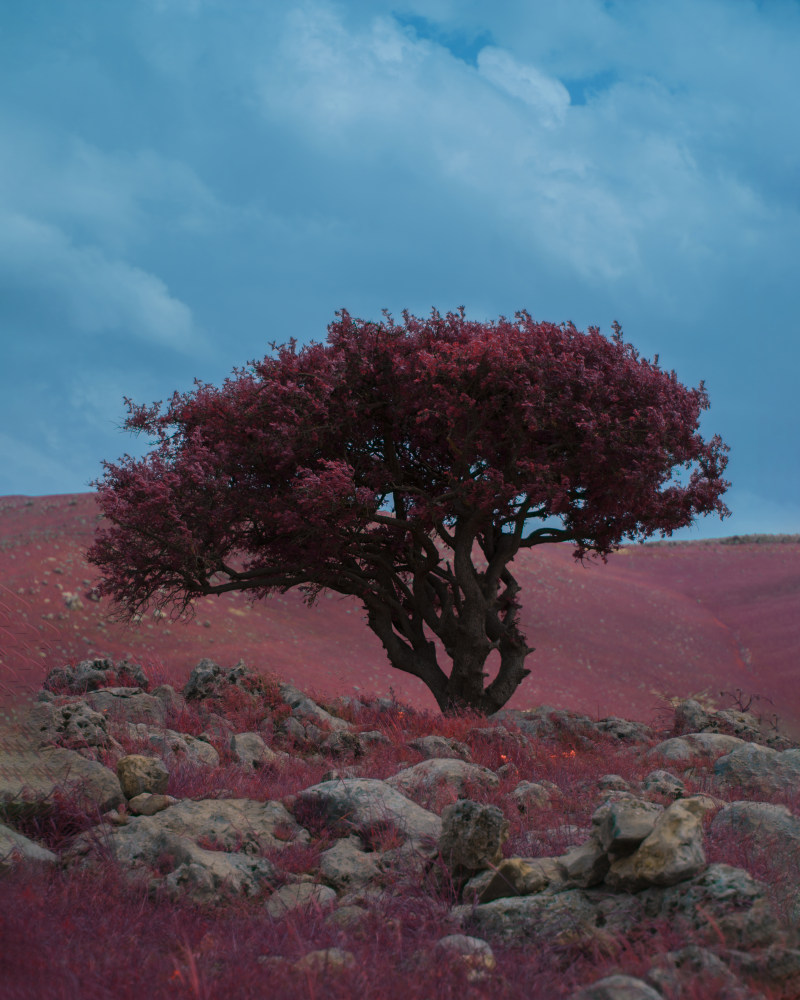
(368, 849)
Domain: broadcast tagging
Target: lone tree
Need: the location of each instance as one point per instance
(406, 465)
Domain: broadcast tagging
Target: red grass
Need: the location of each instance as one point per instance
(642, 609)
(680, 619)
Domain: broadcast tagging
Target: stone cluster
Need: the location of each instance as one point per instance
(643, 858)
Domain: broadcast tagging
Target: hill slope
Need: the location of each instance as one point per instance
(669, 619)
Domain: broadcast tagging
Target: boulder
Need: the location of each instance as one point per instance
(617, 987)
(518, 877)
(342, 743)
(561, 919)
(30, 780)
(474, 954)
(671, 853)
(664, 783)
(346, 866)
(624, 730)
(173, 746)
(760, 767)
(138, 774)
(368, 806)
(621, 825)
(441, 747)
(148, 804)
(531, 795)
(325, 961)
(309, 711)
(613, 783)
(703, 745)
(15, 848)
(73, 726)
(425, 779)
(203, 875)
(677, 971)
(298, 896)
(128, 703)
(216, 826)
(206, 681)
(691, 717)
(772, 824)
(90, 675)
(472, 836)
(251, 750)
(776, 967)
(720, 901)
(584, 865)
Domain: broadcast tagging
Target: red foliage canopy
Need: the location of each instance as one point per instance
(365, 464)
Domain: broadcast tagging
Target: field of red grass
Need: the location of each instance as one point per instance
(657, 621)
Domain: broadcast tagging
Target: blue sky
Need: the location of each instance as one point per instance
(184, 181)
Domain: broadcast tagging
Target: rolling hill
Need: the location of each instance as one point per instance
(657, 621)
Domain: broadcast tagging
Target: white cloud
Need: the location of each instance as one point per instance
(94, 291)
(546, 95)
(617, 190)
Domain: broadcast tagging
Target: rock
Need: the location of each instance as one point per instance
(198, 832)
(89, 675)
(205, 681)
(169, 698)
(617, 988)
(350, 917)
(622, 825)
(663, 783)
(174, 746)
(722, 900)
(29, 781)
(430, 776)
(702, 745)
(625, 730)
(127, 703)
(519, 877)
(148, 805)
(293, 729)
(441, 747)
(15, 848)
(306, 709)
(204, 875)
(565, 918)
(671, 853)
(613, 783)
(776, 967)
(367, 806)
(473, 953)
(530, 795)
(759, 767)
(346, 866)
(371, 738)
(326, 961)
(772, 824)
(251, 750)
(584, 865)
(676, 971)
(472, 836)
(138, 774)
(73, 726)
(299, 896)
(691, 717)
(341, 743)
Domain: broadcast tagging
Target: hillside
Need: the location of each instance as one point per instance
(658, 620)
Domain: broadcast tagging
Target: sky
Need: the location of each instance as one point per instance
(183, 182)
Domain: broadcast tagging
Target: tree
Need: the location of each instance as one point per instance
(406, 465)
